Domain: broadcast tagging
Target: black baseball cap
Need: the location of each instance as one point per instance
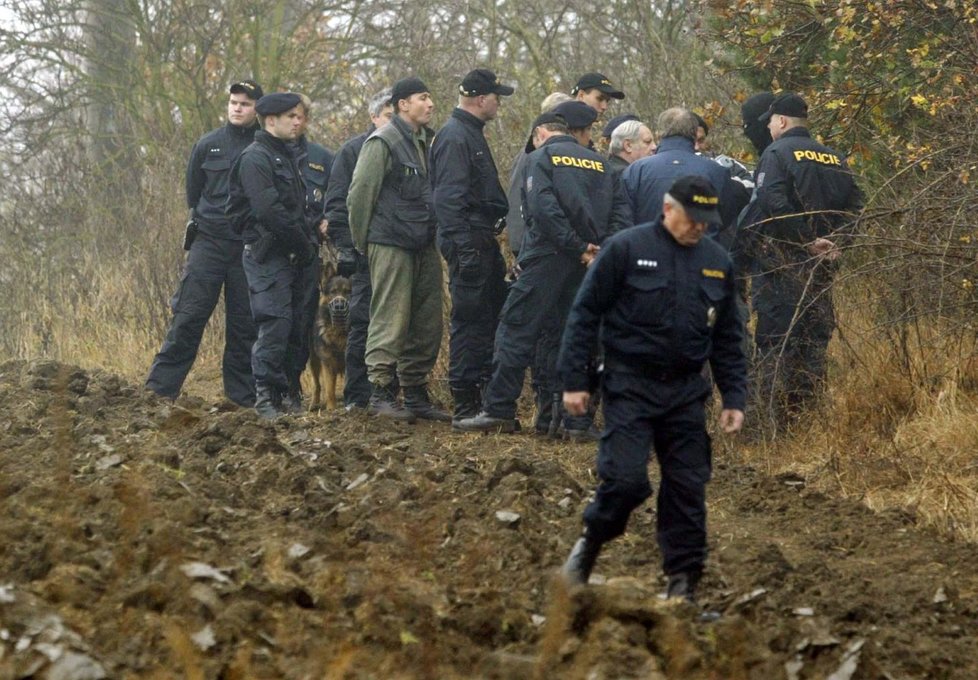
(592, 80)
(543, 119)
(277, 103)
(405, 87)
(577, 114)
(698, 198)
(249, 88)
(786, 104)
(482, 81)
(615, 122)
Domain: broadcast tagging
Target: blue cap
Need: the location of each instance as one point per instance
(577, 114)
(277, 103)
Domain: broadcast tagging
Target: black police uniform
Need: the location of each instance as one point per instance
(314, 162)
(213, 263)
(648, 179)
(570, 199)
(663, 310)
(468, 201)
(805, 191)
(356, 386)
(267, 204)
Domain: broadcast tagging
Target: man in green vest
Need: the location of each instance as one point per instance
(393, 224)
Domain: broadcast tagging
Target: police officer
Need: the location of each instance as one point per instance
(213, 262)
(315, 162)
(469, 204)
(572, 203)
(806, 201)
(392, 222)
(647, 180)
(515, 231)
(350, 263)
(267, 205)
(595, 90)
(663, 299)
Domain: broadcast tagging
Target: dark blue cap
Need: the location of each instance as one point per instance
(577, 114)
(277, 103)
(405, 87)
(786, 104)
(615, 122)
(248, 88)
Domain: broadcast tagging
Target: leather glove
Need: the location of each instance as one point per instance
(468, 266)
(346, 262)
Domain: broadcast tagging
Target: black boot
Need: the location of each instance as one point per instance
(545, 412)
(383, 404)
(417, 401)
(268, 402)
(580, 562)
(683, 585)
(484, 422)
(292, 403)
(468, 402)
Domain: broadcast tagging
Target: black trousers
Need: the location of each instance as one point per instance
(795, 321)
(475, 316)
(356, 386)
(642, 414)
(212, 265)
(538, 302)
(280, 294)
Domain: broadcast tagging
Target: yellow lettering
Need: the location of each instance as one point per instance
(714, 274)
(574, 162)
(799, 155)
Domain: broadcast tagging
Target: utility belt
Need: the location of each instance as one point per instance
(650, 371)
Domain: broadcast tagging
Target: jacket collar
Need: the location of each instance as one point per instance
(675, 143)
(468, 118)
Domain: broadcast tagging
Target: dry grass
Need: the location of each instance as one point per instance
(897, 428)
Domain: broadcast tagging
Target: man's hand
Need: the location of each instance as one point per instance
(823, 247)
(323, 227)
(731, 420)
(587, 257)
(576, 402)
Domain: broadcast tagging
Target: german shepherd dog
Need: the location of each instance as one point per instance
(329, 335)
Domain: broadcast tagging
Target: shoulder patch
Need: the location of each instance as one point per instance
(317, 166)
(714, 274)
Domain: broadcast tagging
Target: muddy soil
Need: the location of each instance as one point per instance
(145, 539)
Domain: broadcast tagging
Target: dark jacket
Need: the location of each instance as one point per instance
(617, 165)
(208, 170)
(648, 179)
(515, 225)
(467, 196)
(663, 309)
(334, 205)
(268, 195)
(808, 190)
(570, 199)
(315, 162)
